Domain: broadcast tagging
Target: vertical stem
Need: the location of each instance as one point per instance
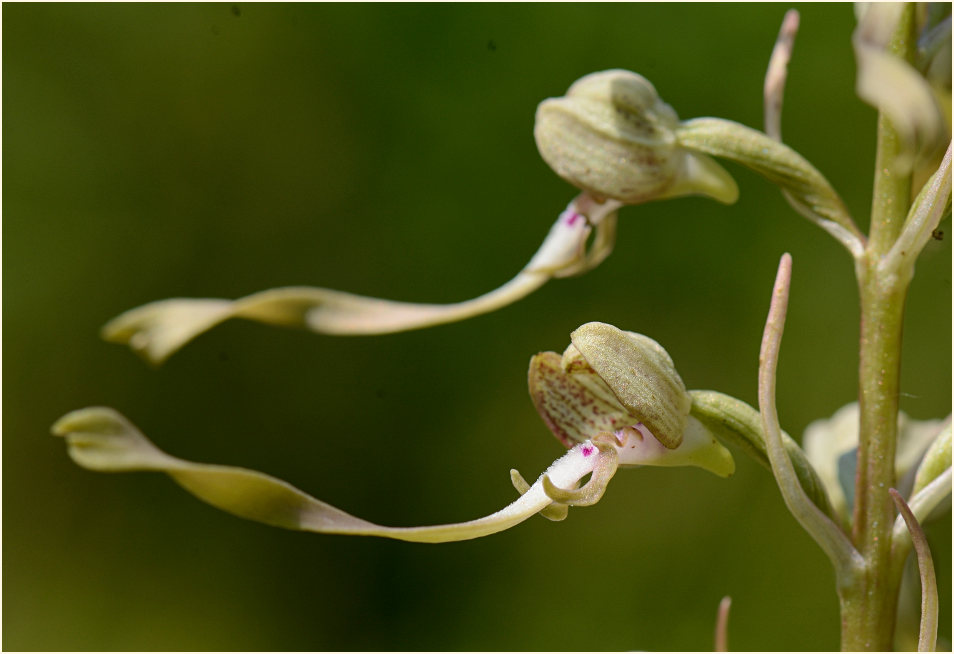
(892, 187)
(874, 601)
(869, 606)
(892, 191)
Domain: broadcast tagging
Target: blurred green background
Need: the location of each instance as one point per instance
(153, 151)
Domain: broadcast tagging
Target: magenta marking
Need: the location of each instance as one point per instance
(587, 450)
(573, 218)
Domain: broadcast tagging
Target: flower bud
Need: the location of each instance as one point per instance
(612, 136)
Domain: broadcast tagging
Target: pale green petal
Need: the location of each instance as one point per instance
(702, 175)
(831, 445)
(101, 439)
(936, 459)
(157, 330)
(926, 500)
(699, 448)
(932, 486)
(914, 439)
(828, 442)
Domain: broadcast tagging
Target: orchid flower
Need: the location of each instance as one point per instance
(596, 137)
(610, 136)
(622, 406)
(621, 383)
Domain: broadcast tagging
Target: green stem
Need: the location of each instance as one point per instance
(892, 187)
(870, 605)
(892, 191)
(869, 610)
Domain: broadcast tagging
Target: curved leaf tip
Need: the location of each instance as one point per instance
(102, 439)
(157, 330)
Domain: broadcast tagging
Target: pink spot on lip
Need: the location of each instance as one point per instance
(588, 450)
(573, 218)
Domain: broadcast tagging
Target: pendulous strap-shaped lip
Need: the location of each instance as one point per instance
(158, 329)
(103, 440)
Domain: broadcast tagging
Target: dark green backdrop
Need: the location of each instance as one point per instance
(215, 150)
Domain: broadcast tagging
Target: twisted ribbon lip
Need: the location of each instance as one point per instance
(101, 439)
(158, 329)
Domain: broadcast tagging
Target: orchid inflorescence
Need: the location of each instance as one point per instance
(613, 398)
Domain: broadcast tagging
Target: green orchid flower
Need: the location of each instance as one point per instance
(636, 414)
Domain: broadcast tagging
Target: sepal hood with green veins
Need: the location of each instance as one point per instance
(624, 384)
(612, 136)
